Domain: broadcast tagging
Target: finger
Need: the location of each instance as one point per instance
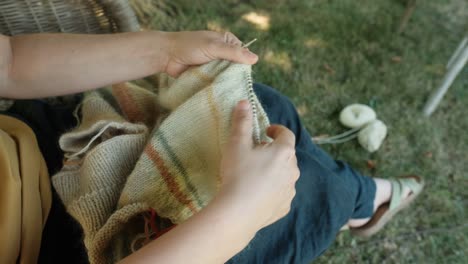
(175, 70)
(293, 160)
(230, 38)
(297, 174)
(292, 194)
(281, 135)
(242, 123)
(285, 210)
(231, 52)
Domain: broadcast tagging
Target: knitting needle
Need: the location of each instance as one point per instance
(249, 43)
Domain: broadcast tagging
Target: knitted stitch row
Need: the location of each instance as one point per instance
(137, 150)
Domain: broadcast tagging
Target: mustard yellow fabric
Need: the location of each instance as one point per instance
(25, 194)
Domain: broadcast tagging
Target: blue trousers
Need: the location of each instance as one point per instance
(328, 194)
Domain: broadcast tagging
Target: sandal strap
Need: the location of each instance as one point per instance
(397, 188)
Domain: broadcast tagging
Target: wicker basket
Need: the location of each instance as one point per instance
(66, 16)
(70, 16)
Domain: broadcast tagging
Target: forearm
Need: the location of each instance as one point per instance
(56, 64)
(214, 235)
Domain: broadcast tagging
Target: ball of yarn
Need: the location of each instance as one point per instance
(372, 135)
(357, 115)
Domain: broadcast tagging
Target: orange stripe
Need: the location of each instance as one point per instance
(203, 76)
(168, 178)
(126, 102)
(215, 112)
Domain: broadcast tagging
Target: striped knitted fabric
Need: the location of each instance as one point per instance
(137, 150)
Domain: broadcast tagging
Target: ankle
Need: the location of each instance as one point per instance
(355, 223)
(383, 192)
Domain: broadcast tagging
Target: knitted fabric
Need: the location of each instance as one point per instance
(137, 150)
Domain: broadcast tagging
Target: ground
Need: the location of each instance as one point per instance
(326, 54)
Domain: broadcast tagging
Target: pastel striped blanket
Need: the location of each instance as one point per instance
(138, 152)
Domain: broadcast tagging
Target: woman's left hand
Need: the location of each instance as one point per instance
(187, 48)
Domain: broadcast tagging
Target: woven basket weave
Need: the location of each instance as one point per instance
(66, 16)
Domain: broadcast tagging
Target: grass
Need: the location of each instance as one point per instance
(327, 54)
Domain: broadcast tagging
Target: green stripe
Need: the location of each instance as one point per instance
(179, 166)
(107, 95)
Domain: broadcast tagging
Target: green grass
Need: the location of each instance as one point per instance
(327, 54)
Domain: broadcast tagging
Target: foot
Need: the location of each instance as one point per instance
(403, 190)
(384, 195)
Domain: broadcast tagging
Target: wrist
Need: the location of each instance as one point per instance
(236, 216)
(159, 50)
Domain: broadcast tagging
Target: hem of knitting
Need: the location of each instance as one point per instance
(97, 129)
(101, 241)
(68, 188)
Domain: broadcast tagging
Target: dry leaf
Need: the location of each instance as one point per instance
(428, 154)
(396, 59)
(371, 164)
(328, 68)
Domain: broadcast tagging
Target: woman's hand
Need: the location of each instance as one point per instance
(257, 189)
(187, 48)
(261, 179)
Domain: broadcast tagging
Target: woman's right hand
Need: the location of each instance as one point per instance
(258, 181)
(257, 189)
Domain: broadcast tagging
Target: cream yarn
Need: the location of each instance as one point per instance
(372, 135)
(364, 125)
(357, 115)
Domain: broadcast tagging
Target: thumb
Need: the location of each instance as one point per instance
(281, 135)
(241, 129)
(234, 53)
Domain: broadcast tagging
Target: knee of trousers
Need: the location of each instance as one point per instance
(332, 194)
(276, 105)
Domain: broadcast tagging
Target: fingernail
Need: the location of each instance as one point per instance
(249, 53)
